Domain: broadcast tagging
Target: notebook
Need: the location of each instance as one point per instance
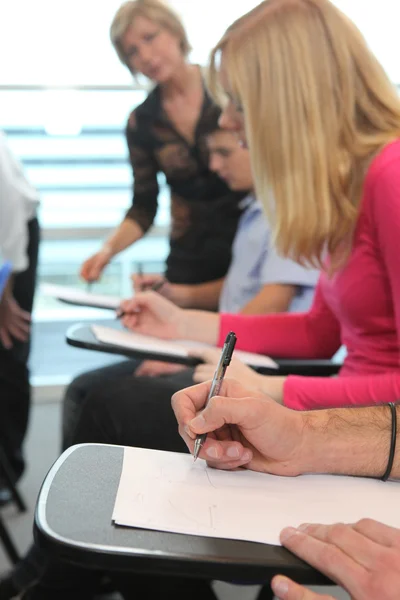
(179, 350)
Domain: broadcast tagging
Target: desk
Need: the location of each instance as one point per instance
(73, 522)
(81, 336)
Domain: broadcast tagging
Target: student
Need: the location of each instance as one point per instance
(19, 242)
(258, 281)
(326, 143)
(166, 134)
(364, 558)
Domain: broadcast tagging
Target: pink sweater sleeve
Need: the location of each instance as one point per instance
(315, 334)
(307, 393)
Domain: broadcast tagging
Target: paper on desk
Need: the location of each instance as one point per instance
(167, 491)
(80, 297)
(181, 348)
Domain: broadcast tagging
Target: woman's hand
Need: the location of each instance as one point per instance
(93, 267)
(248, 377)
(363, 558)
(151, 314)
(14, 322)
(236, 370)
(245, 429)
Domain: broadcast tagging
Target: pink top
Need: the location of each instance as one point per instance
(358, 307)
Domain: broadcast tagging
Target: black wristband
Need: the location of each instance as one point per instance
(393, 440)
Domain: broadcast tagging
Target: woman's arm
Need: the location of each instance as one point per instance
(141, 214)
(382, 206)
(315, 334)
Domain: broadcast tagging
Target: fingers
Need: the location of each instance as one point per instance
(143, 282)
(378, 532)
(325, 557)
(5, 338)
(225, 455)
(286, 589)
(221, 411)
(361, 549)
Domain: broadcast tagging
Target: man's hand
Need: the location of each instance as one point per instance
(146, 281)
(363, 558)
(155, 368)
(245, 429)
(14, 322)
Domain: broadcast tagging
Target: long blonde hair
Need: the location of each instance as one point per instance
(156, 11)
(317, 107)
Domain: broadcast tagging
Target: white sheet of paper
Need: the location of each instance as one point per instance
(167, 491)
(136, 341)
(80, 297)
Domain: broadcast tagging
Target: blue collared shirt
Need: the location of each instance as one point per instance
(255, 263)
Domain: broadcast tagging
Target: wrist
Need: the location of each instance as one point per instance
(345, 441)
(180, 295)
(183, 324)
(107, 250)
(272, 386)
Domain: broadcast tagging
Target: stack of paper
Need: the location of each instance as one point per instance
(167, 491)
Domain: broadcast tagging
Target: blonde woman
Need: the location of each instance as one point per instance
(322, 122)
(167, 134)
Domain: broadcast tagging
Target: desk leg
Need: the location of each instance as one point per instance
(265, 593)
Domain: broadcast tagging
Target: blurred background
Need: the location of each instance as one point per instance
(64, 100)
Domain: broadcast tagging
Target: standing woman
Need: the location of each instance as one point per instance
(167, 133)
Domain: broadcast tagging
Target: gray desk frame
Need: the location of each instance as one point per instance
(81, 336)
(73, 522)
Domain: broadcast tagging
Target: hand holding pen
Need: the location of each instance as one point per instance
(223, 364)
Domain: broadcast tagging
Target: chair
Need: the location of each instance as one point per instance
(5, 537)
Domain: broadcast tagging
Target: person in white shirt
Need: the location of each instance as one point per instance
(19, 243)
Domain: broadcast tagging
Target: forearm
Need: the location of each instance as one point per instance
(199, 326)
(310, 393)
(126, 234)
(348, 441)
(273, 298)
(203, 296)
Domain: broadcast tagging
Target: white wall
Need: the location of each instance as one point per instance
(66, 42)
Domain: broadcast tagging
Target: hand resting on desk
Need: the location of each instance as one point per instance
(249, 430)
(363, 558)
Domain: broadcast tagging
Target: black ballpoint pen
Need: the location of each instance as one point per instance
(218, 378)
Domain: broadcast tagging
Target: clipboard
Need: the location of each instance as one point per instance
(77, 297)
(175, 351)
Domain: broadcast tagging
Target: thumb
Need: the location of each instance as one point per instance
(286, 589)
(221, 411)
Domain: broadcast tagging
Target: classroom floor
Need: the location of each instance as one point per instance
(42, 449)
